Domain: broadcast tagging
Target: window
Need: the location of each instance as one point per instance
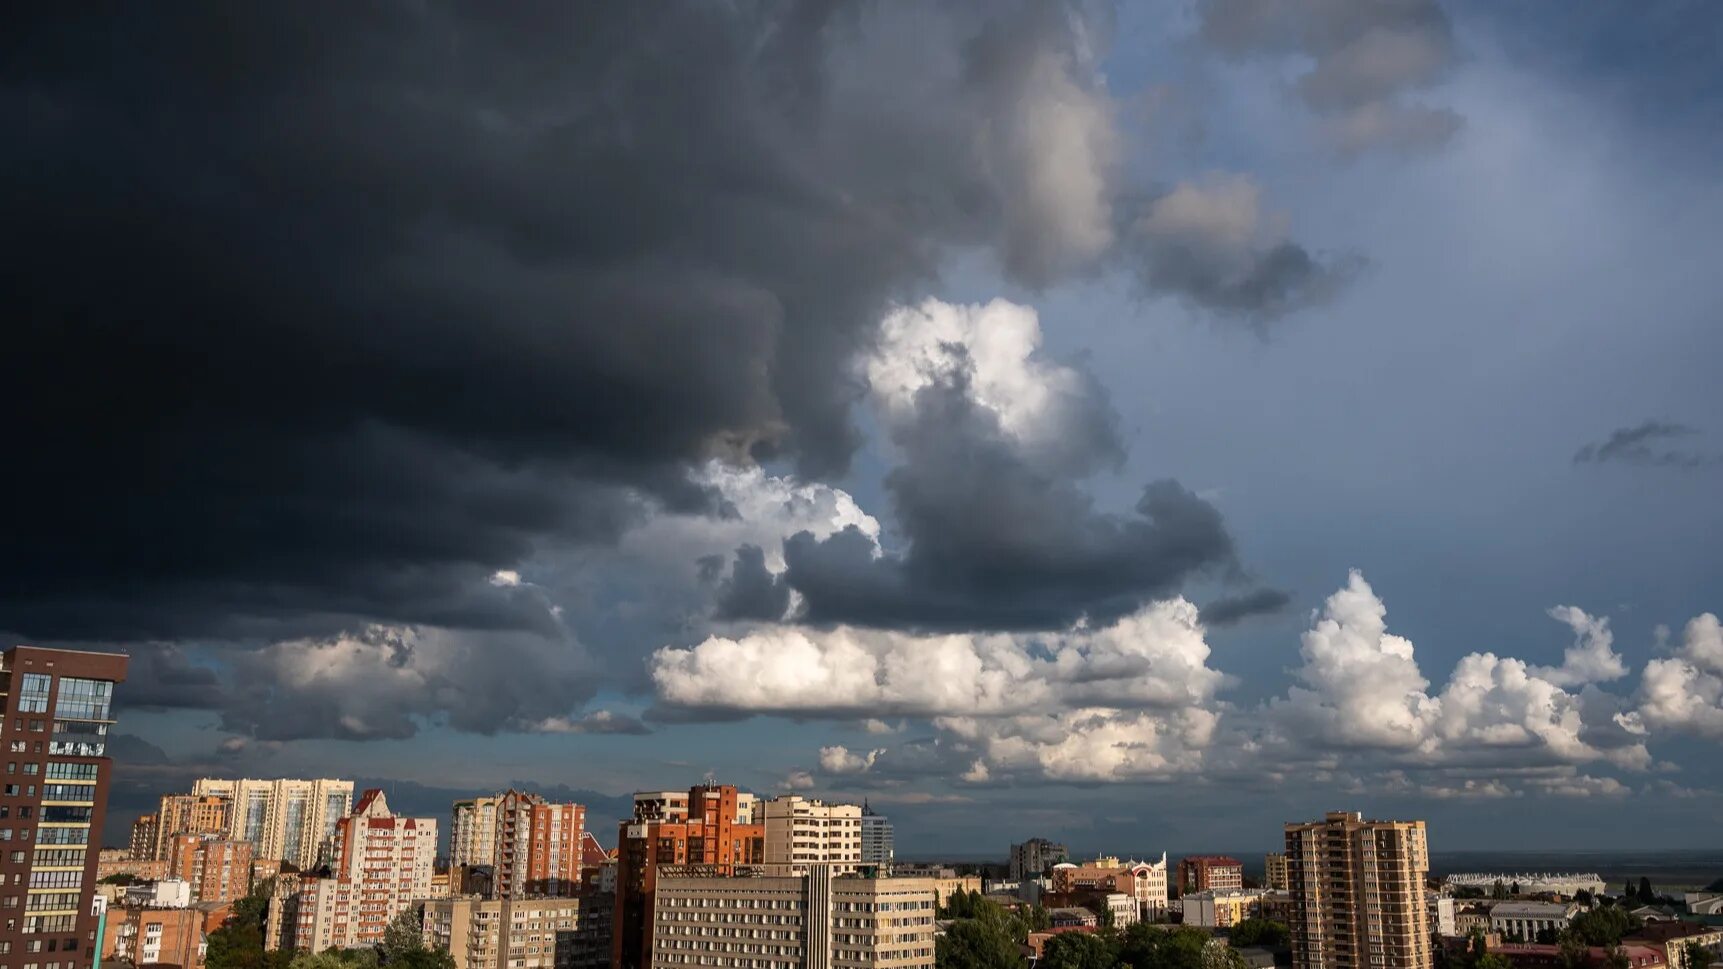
(33, 695)
(62, 771)
(82, 699)
(34, 767)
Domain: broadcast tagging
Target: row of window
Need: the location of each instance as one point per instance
(41, 945)
(80, 698)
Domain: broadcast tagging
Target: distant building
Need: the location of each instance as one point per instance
(802, 833)
(1032, 858)
(143, 840)
(1673, 938)
(289, 819)
(877, 841)
(190, 814)
(1444, 914)
(530, 845)
(1274, 871)
(1144, 882)
(1358, 893)
(1523, 955)
(1704, 903)
(819, 921)
(1073, 917)
(1530, 883)
(150, 935)
(521, 933)
(383, 864)
(217, 869)
(1522, 921)
(1200, 873)
(946, 881)
(1220, 908)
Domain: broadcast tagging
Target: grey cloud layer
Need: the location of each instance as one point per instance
(1647, 444)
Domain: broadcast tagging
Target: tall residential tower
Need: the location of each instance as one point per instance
(1358, 893)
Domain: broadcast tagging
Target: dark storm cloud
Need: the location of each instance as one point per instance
(1231, 609)
(1002, 534)
(750, 591)
(1646, 445)
(1365, 57)
(332, 312)
(161, 676)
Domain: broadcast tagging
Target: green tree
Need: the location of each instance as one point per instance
(1574, 954)
(1698, 957)
(1148, 946)
(1080, 950)
(1218, 955)
(1491, 960)
(1646, 895)
(1499, 890)
(1583, 897)
(404, 935)
(1618, 959)
(1600, 926)
(1260, 932)
(978, 943)
(238, 942)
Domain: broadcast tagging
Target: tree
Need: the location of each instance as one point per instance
(1260, 932)
(1080, 950)
(1617, 959)
(1698, 957)
(120, 878)
(1218, 955)
(238, 942)
(1514, 889)
(977, 943)
(1646, 895)
(1148, 946)
(1574, 954)
(1491, 960)
(1600, 926)
(404, 935)
(1583, 897)
(1499, 890)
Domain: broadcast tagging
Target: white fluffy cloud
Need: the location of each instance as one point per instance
(1684, 692)
(1156, 657)
(839, 759)
(1360, 688)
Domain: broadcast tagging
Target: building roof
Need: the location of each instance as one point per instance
(1658, 933)
(1531, 910)
(1212, 860)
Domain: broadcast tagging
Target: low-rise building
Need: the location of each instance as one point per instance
(1144, 881)
(1530, 883)
(946, 881)
(1073, 917)
(1673, 938)
(1525, 921)
(1531, 955)
(1220, 908)
(703, 919)
(145, 935)
(521, 933)
(1704, 903)
(1444, 917)
(1199, 873)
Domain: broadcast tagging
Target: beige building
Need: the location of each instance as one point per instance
(522, 933)
(1144, 881)
(531, 846)
(702, 920)
(383, 864)
(1220, 908)
(801, 833)
(1274, 871)
(286, 819)
(1358, 893)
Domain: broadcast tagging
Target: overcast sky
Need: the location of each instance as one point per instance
(1140, 425)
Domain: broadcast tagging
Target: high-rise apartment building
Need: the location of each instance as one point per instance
(287, 819)
(383, 864)
(191, 814)
(1032, 858)
(145, 832)
(1201, 873)
(1358, 893)
(877, 841)
(801, 832)
(816, 921)
(533, 847)
(57, 711)
(1274, 872)
(707, 831)
(522, 933)
(217, 869)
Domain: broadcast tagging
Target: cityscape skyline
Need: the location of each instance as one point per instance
(1132, 424)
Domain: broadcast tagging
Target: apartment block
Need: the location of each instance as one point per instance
(878, 841)
(217, 869)
(1143, 882)
(288, 819)
(190, 814)
(817, 921)
(144, 935)
(1274, 871)
(1358, 899)
(1200, 873)
(530, 846)
(56, 716)
(708, 828)
(1219, 908)
(1032, 858)
(383, 864)
(522, 933)
(801, 833)
(146, 830)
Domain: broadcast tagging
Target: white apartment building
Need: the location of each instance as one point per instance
(472, 831)
(801, 832)
(287, 819)
(383, 864)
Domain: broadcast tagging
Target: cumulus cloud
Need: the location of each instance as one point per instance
(1364, 58)
(387, 681)
(1215, 243)
(1646, 445)
(839, 759)
(798, 780)
(1360, 688)
(595, 722)
(1684, 692)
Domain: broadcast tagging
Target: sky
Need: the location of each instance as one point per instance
(1138, 424)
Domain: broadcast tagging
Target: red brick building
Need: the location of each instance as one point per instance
(218, 870)
(1199, 873)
